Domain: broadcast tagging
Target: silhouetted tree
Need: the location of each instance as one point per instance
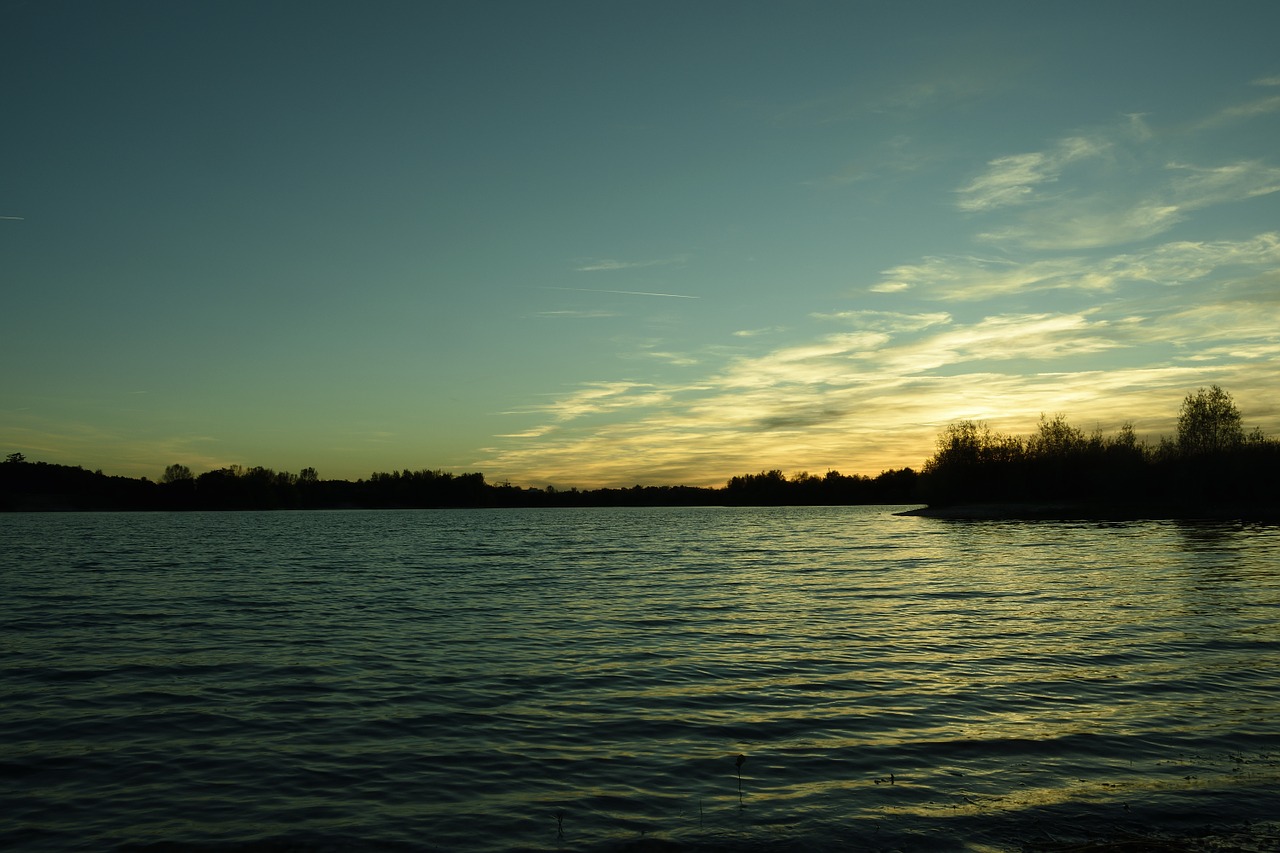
(1055, 438)
(176, 474)
(1211, 467)
(765, 488)
(178, 487)
(973, 463)
(1209, 422)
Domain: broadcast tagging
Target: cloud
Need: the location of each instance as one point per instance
(875, 392)
(890, 287)
(887, 321)
(1248, 109)
(535, 432)
(1014, 179)
(1119, 184)
(1136, 127)
(1045, 319)
(1261, 106)
(852, 380)
(1243, 329)
(624, 292)
(577, 315)
(973, 279)
(1186, 260)
(1088, 223)
(888, 421)
(897, 155)
(596, 397)
(1194, 187)
(1005, 337)
(1111, 217)
(854, 428)
(678, 359)
(610, 265)
(962, 278)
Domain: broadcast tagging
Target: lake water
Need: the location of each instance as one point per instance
(585, 679)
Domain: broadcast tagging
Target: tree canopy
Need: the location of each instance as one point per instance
(1208, 465)
(1209, 422)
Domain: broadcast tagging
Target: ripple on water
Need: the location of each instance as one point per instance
(454, 680)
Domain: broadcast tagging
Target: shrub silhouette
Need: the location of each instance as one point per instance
(1211, 461)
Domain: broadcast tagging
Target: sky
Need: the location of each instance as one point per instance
(614, 243)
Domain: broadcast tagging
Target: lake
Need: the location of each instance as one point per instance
(587, 679)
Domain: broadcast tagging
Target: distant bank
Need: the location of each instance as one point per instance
(1212, 468)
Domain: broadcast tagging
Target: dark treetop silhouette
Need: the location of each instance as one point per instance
(1212, 466)
(42, 486)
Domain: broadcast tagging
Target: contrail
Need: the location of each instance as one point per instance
(19, 218)
(624, 292)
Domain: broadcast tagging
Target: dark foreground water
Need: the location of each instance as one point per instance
(585, 680)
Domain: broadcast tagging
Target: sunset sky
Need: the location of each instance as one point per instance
(608, 243)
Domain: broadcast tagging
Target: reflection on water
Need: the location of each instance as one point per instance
(581, 679)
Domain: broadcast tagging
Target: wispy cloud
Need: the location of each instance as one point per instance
(875, 392)
(1046, 318)
(842, 404)
(577, 315)
(974, 279)
(679, 359)
(898, 155)
(611, 265)
(886, 321)
(1188, 260)
(1193, 187)
(970, 278)
(535, 432)
(597, 397)
(1119, 184)
(623, 292)
(1248, 109)
(1014, 179)
(1261, 106)
(1087, 223)
(1112, 216)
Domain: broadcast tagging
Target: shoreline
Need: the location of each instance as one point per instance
(1075, 511)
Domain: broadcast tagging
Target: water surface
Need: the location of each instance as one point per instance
(585, 679)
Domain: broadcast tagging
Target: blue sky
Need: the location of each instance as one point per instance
(614, 243)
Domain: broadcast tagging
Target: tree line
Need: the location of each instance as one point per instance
(1211, 459)
(43, 486)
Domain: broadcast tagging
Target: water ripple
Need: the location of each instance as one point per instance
(586, 679)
